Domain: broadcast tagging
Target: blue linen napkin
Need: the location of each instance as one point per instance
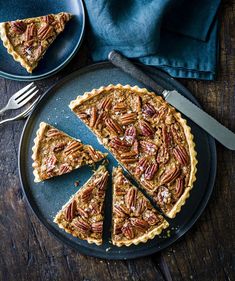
(178, 36)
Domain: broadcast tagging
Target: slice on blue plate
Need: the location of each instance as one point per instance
(27, 40)
(82, 215)
(56, 153)
(134, 218)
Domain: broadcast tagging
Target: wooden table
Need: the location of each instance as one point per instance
(29, 252)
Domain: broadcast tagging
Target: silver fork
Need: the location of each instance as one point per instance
(21, 97)
(23, 114)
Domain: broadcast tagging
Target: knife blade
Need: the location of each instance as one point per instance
(174, 98)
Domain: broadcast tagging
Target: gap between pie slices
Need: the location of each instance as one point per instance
(147, 136)
(56, 153)
(82, 215)
(134, 219)
(27, 40)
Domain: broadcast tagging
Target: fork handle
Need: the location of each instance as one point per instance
(3, 109)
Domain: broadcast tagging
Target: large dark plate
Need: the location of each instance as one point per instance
(47, 198)
(60, 52)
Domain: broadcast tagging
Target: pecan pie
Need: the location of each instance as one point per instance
(55, 153)
(82, 216)
(27, 40)
(134, 218)
(147, 136)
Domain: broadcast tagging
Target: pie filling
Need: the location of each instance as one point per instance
(147, 136)
(30, 38)
(134, 218)
(55, 153)
(82, 216)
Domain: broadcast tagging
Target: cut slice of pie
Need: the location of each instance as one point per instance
(147, 136)
(27, 40)
(55, 153)
(82, 216)
(134, 218)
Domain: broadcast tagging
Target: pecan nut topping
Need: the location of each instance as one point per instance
(177, 132)
(150, 217)
(31, 31)
(128, 118)
(163, 195)
(179, 187)
(140, 224)
(113, 126)
(130, 198)
(45, 32)
(97, 227)
(50, 163)
(82, 225)
(130, 134)
(140, 206)
(120, 107)
(146, 128)
(163, 155)
(148, 110)
(86, 194)
(128, 231)
(95, 155)
(59, 146)
(18, 27)
(106, 103)
(72, 147)
(170, 175)
(120, 145)
(121, 211)
(82, 213)
(150, 171)
(167, 137)
(70, 211)
(49, 19)
(148, 147)
(129, 157)
(94, 116)
(53, 133)
(64, 168)
(141, 167)
(181, 155)
(101, 183)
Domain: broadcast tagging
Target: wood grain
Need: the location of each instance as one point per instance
(29, 252)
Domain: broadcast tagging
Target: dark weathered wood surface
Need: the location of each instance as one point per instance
(29, 252)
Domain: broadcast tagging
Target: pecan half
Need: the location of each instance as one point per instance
(148, 147)
(129, 157)
(120, 107)
(82, 225)
(101, 183)
(117, 227)
(72, 147)
(128, 231)
(146, 128)
(130, 198)
(44, 32)
(140, 224)
(18, 27)
(50, 163)
(48, 19)
(150, 217)
(70, 211)
(97, 227)
(177, 132)
(162, 111)
(65, 168)
(167, 137)
(53, 133)
(128, 118)
(120, 145)
(135, 146)
(179, 187)
(141, 167)
(120, 210)
(150, 171)
(59, 146)
(106, 103)
(95, 155)
(101, 118)
(31, 31)
(148, 110)
(113, 126)
(86, 194)
(163, 195)
(181, 155)
(93, 117)
(163, 155)
(82, 213)
(170, 175)
(130, 134)
(140, 206)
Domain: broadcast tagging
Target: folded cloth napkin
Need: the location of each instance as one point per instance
(178, 36)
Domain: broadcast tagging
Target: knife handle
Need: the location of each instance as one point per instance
(201, 118)
(123, 63)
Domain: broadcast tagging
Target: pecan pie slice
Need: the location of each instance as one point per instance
(27, 40)
(134, 218)
(147, 136)
(82, 216)
(55, 153)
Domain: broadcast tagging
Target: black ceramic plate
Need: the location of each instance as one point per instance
(48, 197)
(60, 52)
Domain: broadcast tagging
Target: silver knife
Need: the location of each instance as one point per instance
(200, 117)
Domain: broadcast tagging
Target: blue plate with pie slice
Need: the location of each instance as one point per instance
(63, 48)
(46, 198)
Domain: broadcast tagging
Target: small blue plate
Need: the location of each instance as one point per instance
(60, 52)
(46, 198)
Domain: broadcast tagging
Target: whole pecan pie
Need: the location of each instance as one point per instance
(82, 215)
(27, 40)
(147, 136)
(55, 153)
(134, 218)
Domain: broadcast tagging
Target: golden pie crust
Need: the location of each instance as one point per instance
(27, 40)
(56, 153)
(162, 157)
(134, 218)
(82, 215)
